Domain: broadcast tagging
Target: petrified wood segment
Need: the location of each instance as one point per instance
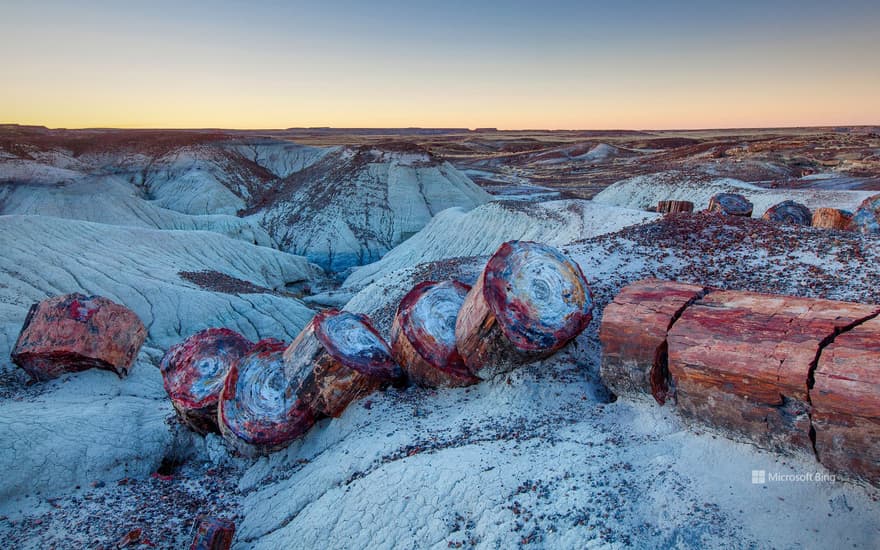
(260, 409)
(846, 402)
(338, 358)
(732, 204)
(74, 332)
(193, 372)
(867, 218)
(831, 218)
(668, 207)
(213, 533)
(529, 301)
(633, 335)
(741, 361)
(789, 212)
(423, 335)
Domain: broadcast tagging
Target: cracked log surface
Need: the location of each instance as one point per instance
(423, 335)
(666, 207)
(831, 218)
(867, 218)
(732, 204)
(213, 533)
(528, 303)
(193, 372)
(789, 212)
(74, 332)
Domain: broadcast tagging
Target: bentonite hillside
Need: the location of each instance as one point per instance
(164, 234)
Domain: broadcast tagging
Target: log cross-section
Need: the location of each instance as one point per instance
(732, 204)
(789, 212)
(831, 218)
(528, 303)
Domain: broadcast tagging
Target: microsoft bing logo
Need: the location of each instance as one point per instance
(759, 476)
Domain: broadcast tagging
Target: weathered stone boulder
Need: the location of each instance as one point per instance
(732, 204)
(867, 217)
(831, 218)
(789, 212)
(75, 332)
(423, 335)
(260, 409)
(668, 207)
(193, 372)
(338, 358)
(633, 336)
(529, 301)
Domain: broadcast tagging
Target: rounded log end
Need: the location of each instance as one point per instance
(789, 212)
(732, 204)
(193, 372)
(831, 218)
(351, 339)
(260, 410)
(539, 296)
(867, 217)
(423, 336)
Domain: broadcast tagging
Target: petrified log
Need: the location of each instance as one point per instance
(831, 218)
(423, 335)
(193, 372)
(789, 212)
(867, 218)
(732, 204)
(740, 361)
(846, 402)
(529, 301)
(338, 358)
(213, 533)
(74, 332)
(260, 409)
(633, 336)
(668, 207)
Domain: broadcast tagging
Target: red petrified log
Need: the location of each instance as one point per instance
(339, 357)
(529, 302)
(633, 336)
(789, 212)
(74, 332)
(867, 218)
(213, 533)
(193, 372)
(846, 402)
(732, 204)
(423, 335)
(831, 218)
(260, 409)
(668, 207)
(741, 360)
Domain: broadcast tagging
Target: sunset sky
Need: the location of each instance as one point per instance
(449, 63)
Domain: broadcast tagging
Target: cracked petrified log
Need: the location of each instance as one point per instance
(741, 361)
(75, 332)
(260, 409)
(831, 218)
(668, 207)
(732, 204)
(423, 335)
(867, 217)
(528, 303)
(789, 212)
(338, 358)
(633, 335)
(846, 402)
(193, 372)
(213, 533)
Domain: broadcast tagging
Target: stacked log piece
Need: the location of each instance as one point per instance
(789, 212)
(423, 335)
(633, 336)
(260, 409)
(846, 402)
(669, 207)
(73, 332)
(193, 372)
(338, 358)
(732, 204)
(831, 218)
(867, 217)
(213, 533)
(528, 303)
